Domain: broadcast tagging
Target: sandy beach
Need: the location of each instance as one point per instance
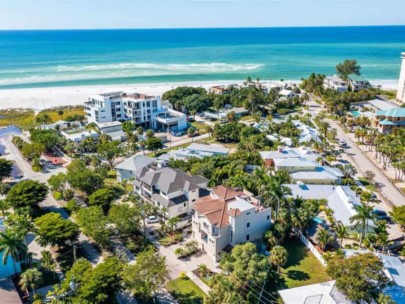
(43, 98)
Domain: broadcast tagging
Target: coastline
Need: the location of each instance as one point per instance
(49, 97)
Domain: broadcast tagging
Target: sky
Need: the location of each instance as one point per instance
(97, 14)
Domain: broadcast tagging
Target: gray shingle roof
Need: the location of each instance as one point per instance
(135, 163)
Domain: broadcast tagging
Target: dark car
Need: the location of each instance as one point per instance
(384, 218)
(379, 212)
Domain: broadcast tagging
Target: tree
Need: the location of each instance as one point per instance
(60, 113)
(47, 261)
(278, 256)
(324, 238)
(54, 230)
(27, 193)
(359, 277)
(4, 205)
(81, 177)
(103, 198)
(147, 275)
(398, 215)
(341, 232)
(125, 218)
(224, 291)
(96, 285)
(4, 188)
(191, 132)
(348, 67)
(361, 218)
(30, 278)
(128, 126)
(385, 299)
(154, 144)
(43, 119)
(12, 245)
(58, 182)
(245, 264)
(22, 224)
(94, 224)
(110, 150)
(149, 133)
(6, 167)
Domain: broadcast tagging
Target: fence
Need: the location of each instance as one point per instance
(311, 247)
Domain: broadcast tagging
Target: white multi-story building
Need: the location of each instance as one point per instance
(140, 108)
(401, 85)
(226, 218)
(335, 83)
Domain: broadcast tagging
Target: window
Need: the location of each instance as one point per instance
(268, 217)
(248, 213)
(184, 204)
(247, 237)
(248, 225)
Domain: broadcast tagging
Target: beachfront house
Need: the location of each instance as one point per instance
(141, 109)
(219, 90)
(358, 83)
(387, 120)
(228, 217)
(335, 83)
(172, 191)
(287, 94)
(79, 135)
(195, 150)
(136, 163)
(340, 199)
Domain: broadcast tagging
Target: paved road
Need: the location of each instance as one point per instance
(361, 161)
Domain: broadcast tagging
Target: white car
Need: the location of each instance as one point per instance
(152, 219)
(342, 142)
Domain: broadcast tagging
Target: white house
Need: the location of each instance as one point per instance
(307, 133)
(287, 94)
(340, 199)
(226, 218)
(358, 83)
(173, 191)
(321, 175)
(126, 169)
(78, 135)
(112, 129)
(321, 293)
(195, 151)
(61, 125)
(335, 83)
(271, 157)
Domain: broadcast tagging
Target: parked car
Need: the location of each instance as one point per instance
(373, 196)
(378, 212)
(152, 219)
(384, 218)
(342, 143)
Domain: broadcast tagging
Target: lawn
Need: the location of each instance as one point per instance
(199, 125)
(185, 291)
(20, 118)
(246, 118)
(366, 184)
(53, 113)
(302, 268)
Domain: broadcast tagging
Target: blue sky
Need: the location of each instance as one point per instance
(85, 14)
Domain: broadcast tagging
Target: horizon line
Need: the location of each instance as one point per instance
(200, 28)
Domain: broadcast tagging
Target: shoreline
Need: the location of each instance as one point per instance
(50, 97)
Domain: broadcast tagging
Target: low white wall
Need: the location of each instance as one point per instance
(311, 247)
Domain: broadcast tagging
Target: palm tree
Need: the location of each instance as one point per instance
(324, 127)
(203, 270)
(23, 225)
(278, 256)
(341, 232)
(4, 205)
(362, 218)
(30, 278)
(47, 261)
(366, 197)
(275, 194)
(60, 113)
(172, 223)
(43, 119)
(12, 245)
(324, 238)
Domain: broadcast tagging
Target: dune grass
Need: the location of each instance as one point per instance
(67, 111)
(22, 118)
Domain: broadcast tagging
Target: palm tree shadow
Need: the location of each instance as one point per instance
(298, 275)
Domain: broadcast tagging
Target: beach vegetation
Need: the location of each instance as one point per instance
(347, 67)
(27, 193)
(6, 167)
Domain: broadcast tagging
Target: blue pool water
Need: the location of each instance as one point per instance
(355, 113)
(319, 220)
(85, 57)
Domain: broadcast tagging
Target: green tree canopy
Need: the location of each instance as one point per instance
(154, 144)
(398, 215)
(109, 150)
(125, 218)
(27, 193)
(6, 167)
(348, 67)
(147, 275)
(83, 178)
(53, 230)
(94, 224)
(359, 277)
(102, 197)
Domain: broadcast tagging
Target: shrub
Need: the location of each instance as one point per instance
(57, 195)
(68, 194)
(72, 205)
(183, 276)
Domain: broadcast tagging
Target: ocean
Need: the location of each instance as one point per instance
(93, 57)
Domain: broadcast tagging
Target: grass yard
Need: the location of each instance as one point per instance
(20, 118)
(199, 125)
(302, 269)
(53, 113)
(246, 118)
(185, 291)
(366, 183)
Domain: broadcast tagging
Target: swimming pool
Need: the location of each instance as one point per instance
(355, 113)
(319, 220)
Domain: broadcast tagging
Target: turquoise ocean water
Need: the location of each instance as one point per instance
(88, 57)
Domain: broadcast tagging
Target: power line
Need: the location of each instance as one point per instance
(250, 281)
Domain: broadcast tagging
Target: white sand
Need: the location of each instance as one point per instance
(42, 98)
